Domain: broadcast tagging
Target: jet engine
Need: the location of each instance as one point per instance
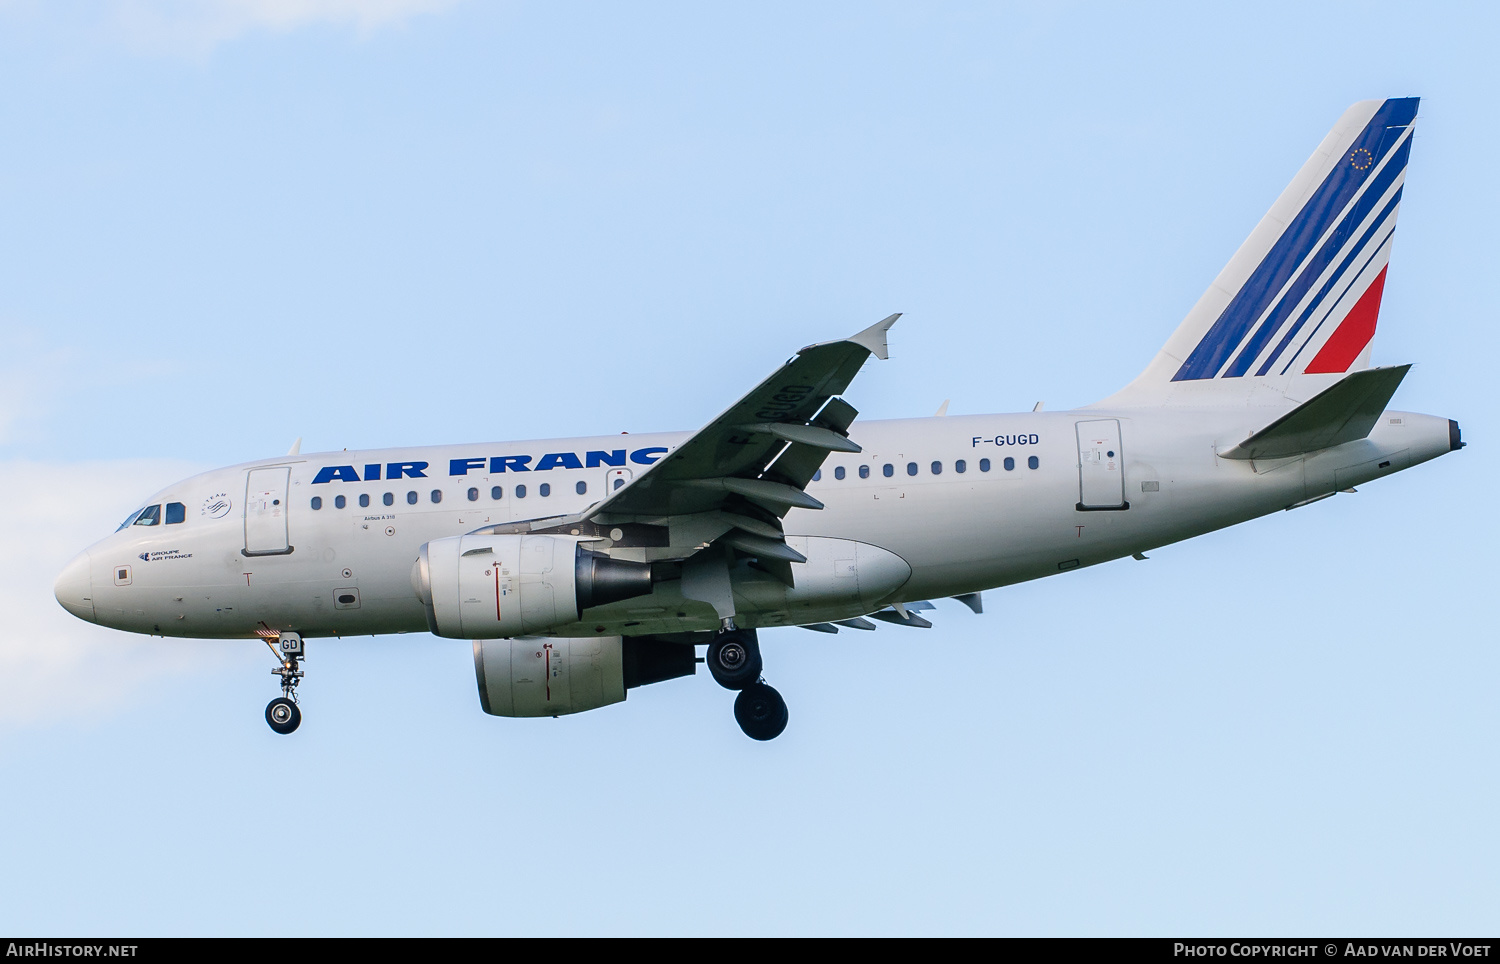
(492, 586)
(556, 676)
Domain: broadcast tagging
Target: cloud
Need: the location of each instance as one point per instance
(196, 27)
(52, 665)
(30, 373)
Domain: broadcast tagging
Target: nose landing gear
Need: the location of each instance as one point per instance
(734, 662)
(282, 713)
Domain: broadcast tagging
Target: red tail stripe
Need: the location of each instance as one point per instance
(1352, 335)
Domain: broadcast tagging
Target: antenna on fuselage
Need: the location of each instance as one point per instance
(296, 448)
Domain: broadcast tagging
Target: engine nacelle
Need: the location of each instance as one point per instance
(548, 677)
(488, 586)
(557, 676)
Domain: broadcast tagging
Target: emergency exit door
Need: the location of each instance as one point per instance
(1101, 466)
(265, 512)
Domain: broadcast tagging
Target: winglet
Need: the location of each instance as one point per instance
(296, 448)
(873, 337)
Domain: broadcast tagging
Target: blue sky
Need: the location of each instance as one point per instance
(231, 224)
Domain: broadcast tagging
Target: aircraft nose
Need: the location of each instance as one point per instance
(74, 588)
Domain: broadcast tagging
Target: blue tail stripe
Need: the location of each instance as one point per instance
(1294, 245)
(1354, 253)
(1353, 279)
(1315, 265)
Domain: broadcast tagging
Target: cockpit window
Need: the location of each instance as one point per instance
(130, 519)
(176, 512)
(149, 516)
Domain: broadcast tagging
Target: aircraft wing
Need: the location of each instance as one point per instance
(750, 466)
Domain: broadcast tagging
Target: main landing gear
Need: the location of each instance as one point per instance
(282, 713)
(735, 664)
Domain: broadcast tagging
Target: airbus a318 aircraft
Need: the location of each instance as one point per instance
(583, 568)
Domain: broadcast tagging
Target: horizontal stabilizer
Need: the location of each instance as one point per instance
(1345, 412)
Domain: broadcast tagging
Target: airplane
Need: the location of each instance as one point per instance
(580, 569)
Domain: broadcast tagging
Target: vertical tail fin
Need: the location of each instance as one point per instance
(1295, 308)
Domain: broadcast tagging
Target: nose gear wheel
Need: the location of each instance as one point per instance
(283, 715)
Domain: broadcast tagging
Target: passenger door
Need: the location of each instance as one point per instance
(266, 511)
(1101, 474)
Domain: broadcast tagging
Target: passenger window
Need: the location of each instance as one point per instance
(911, 468)
(176, 512)
(937, 468)
(1009, 463)
(497, 493)
(1033, 462)
(888, 470)
(364, 500)
(317, 502)
(520, 491)
(864, 471)
(818, 475)
(984, 465)
(339, 502)
(544, 490)
(473, 495)
(149, 516)
(960, 466)
(581, 488)
(411, 498)
(388, 499)
(437, 496)
(838, 473)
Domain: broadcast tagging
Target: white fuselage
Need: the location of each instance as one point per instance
(346, 568)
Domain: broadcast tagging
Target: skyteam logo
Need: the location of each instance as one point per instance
(216, 506)
(1312, 302)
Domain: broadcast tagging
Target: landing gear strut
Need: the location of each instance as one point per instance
(282, 713)
(734, 662)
